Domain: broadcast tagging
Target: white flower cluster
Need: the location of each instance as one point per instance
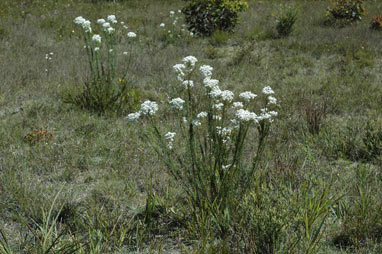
(96, 38)
(48, 57)
(177, 103)
(247, 96)
(169, 136)
(85, 24)
(147, 108)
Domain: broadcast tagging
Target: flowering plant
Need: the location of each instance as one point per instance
(208, 155)
(104, 90)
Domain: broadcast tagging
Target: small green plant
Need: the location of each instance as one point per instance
(315, 114)
(203, 17)
(346, 10)
(208, 157)
(104, 90)
(285, 20)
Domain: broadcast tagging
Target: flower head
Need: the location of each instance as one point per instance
(188, 83)
(162, 25)
(149, 108)
(202, 115)
(112, 19)
(246, 116)
(268, 90)
(131, 35)
(110, 30)
(96, 38)
(101, 21)
(79, 20)
(206, 71)
(247, 96)
(133, 116)
(272, 100)
(190, 61)
(177, 103)
(226, 95)
(211, 83)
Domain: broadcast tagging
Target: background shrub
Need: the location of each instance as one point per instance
(376, 23)
(205, 16)
(285, 20)
(347, 10)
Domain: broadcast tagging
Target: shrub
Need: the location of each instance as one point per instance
(376, 23)
(104, 90)
(207, 155)
(205, 16)
(347, 10)
(285, 20)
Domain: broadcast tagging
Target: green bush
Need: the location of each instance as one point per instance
(203, 17)
(285, 20)
(347, 10)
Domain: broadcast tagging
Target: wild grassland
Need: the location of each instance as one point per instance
(98, 188)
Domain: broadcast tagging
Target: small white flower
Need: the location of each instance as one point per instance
(245, 115)
(101, 21)
(238, 104)
(162, 25)
(125, 53)
(247, 96)
(172, 13)
(133, 116)
(126, 27)
(202, 115)
(185, 119)
(112, 19)
(149, 108)
(226, 166)
(188, 83)
(273, 113)
(268, 90)
(79, 20)
(196, 123)
(179, 70)
(106, 25)
(96, 38)
(131, 35)
(211, 83)
(223, 131)
(87, 26)
(177, 103)
(206, 71)
(272, 100)
(169, 136)
(215, 92)
(218, 106)
(226, 95)
(122, 23)
(191, 34)
(51, 53)
(189, 61)
(96, 49)
(110, 30)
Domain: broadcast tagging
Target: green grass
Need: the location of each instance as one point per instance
(98, 187)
